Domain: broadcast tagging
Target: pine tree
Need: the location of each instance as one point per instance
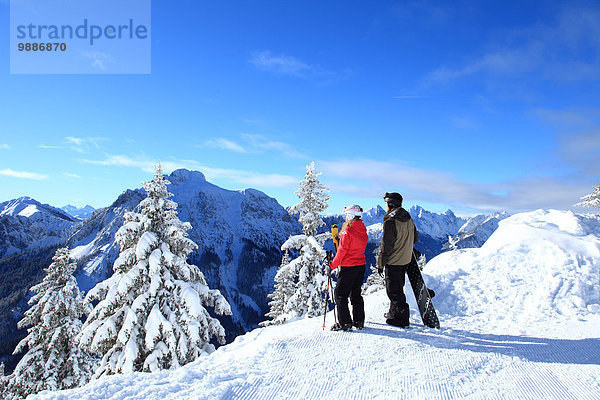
(3, 379)
(151, 314)
(284, 290)
(53, 361)
(374, 281)
(422, 261)
(313, 201)
(303, 277)
(591, 200)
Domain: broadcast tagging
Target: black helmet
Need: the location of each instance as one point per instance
(393, 199)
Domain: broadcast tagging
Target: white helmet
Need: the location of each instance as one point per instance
(353, 211)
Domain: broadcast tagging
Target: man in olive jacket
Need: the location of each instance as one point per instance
(399, 236)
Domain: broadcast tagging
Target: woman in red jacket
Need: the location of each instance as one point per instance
(351, 258)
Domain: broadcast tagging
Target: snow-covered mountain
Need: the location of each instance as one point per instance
(239, 234)
(520, 319)
(475, 231)
(27, 224)
(79, 212)
(436, 225)
(373, 215)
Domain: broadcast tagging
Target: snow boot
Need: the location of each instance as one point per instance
(397, 322)
(359, 325)
(338, 327)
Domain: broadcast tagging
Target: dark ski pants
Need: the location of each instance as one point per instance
(394, 286)
(349, 284)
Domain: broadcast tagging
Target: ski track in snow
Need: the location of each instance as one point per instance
(299, 360)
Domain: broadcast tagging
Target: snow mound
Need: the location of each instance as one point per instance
(541, 266)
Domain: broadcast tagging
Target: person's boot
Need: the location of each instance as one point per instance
(392, 312)
(359, 325)
(397, 322)
(339, 327)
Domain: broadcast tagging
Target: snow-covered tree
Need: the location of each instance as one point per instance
(422, 261)
(3, 379)
(151, 313)
(313, 201)
(308, 267)
(303, 277)
(374, 281)
(591, 200)
(285, 287)
(53, 360)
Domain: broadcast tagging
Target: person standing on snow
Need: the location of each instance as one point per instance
(351, 258)
(399, 236)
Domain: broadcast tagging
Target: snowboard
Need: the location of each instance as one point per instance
(422, 295)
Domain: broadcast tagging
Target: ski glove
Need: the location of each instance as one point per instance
(380, 271)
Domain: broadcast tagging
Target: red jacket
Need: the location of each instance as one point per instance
(351, 251)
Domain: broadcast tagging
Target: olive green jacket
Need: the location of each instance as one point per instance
(399, 236)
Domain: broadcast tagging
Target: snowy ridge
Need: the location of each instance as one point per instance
(79, 212)
(438, 226)
(501, 337)
(475, 231)
(27, 224)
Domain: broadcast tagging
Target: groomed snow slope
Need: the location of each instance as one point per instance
(534, 264)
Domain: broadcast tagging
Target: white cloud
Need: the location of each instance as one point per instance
(282, 64)
(243, 177)
(370, 179)
(98, 60)
(261, 142)
(70, 175)
(567, 50)
(74, 140)
(225, 144)
(578, 138)
(77, 144)
(4, 146)
(22, 174)
(256, 144)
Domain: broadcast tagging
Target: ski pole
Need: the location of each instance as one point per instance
(327, 290)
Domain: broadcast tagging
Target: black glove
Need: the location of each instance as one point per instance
(380, 271)
(417, 253)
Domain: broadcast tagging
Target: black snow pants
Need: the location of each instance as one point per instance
(394, 286)
(349, 284)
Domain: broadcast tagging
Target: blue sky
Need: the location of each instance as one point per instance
(473, 106)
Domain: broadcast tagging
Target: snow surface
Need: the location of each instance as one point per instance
(520, 320)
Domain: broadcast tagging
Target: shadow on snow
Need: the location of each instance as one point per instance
(563, 351)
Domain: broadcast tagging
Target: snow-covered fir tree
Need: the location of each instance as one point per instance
(3, 379)
(374, 281)
(422, 261)
(313, 201)
(311, 281)
(592, 199)
(285, 287)
(151, 313)
(53, 360)
(304, 275)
